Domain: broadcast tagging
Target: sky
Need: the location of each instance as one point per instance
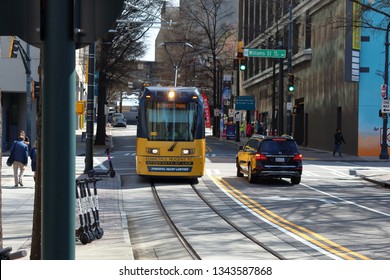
(150, 38)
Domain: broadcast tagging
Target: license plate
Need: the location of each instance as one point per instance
(278, 159)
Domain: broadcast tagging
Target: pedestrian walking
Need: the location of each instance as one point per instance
(26, 140)
(260, 128)
(20, 151)
(242, 129)
(249, 129)
(33, 156)
(338, 141)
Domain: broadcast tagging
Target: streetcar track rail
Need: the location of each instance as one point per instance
(184, 241)
(192, 252)
(237, 228)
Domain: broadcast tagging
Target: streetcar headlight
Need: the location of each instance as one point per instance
(171, 94)
(187, 151)
(154, 151)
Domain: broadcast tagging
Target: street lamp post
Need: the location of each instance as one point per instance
(384, 149)
(176, 66)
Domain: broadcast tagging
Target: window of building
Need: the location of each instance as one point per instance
(307, 31)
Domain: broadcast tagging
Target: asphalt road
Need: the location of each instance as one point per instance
(332, 214)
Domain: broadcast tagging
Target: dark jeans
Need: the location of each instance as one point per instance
(337, 149)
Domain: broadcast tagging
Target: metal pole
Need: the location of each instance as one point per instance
(58, 132)
(237, 138)
(289, 70)
(176, 68)
(384, 147)
(219, 101)
(273, 120)
(28, 94)
(90, 106)
(281, 96)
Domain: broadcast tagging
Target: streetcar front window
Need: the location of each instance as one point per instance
(171, 121)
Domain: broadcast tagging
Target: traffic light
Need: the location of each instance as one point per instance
(35, 87)
(14, 47)
(236, 63)
(243, 64)
(291, 82)
(240, 51)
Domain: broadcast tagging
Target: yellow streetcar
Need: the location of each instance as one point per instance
(171, 133)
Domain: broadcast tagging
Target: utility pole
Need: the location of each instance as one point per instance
(384, 147)
(28, 94)
(289, 70)
(281, 95)
(58, 128)
(237, 137)
(90, 107)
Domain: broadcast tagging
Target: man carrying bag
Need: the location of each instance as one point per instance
(19, 151)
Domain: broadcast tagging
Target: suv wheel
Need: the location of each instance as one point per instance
(251, 177)
(239, 174)
(295, 180)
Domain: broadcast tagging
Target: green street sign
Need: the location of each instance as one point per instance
(265, 53)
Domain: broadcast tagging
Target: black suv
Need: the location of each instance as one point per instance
(270, 156)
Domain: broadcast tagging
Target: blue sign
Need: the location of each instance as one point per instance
(230, 132)
(245, 103)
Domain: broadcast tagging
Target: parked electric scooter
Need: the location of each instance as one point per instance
(109, 171)
(83, 233)
(94, 203)
(7, 254)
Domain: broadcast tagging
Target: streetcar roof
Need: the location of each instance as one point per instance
(166, 89)
(161, 91)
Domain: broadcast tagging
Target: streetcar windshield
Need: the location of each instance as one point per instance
(171, 121)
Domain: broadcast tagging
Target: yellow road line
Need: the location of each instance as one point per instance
(300, 231)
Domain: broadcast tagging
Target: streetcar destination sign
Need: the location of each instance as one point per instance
(265, 53)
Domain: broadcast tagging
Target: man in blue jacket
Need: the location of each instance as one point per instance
(20, 150)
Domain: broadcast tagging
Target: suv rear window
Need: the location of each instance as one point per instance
(274, 146)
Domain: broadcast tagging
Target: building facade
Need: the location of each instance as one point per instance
(20, 104)
(326, 60)
(18, 109)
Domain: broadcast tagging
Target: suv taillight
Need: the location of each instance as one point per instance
(298, 157)
(260, 157)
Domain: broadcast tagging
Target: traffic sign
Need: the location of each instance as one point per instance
(237, 116)
(383, 90)
(386, 106)
(245, 103)
(265, 53)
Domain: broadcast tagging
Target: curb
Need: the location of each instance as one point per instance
(382, 184)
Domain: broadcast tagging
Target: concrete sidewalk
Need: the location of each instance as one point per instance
(18, 212)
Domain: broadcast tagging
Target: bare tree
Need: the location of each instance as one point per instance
(212, 35)
(117, 51)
